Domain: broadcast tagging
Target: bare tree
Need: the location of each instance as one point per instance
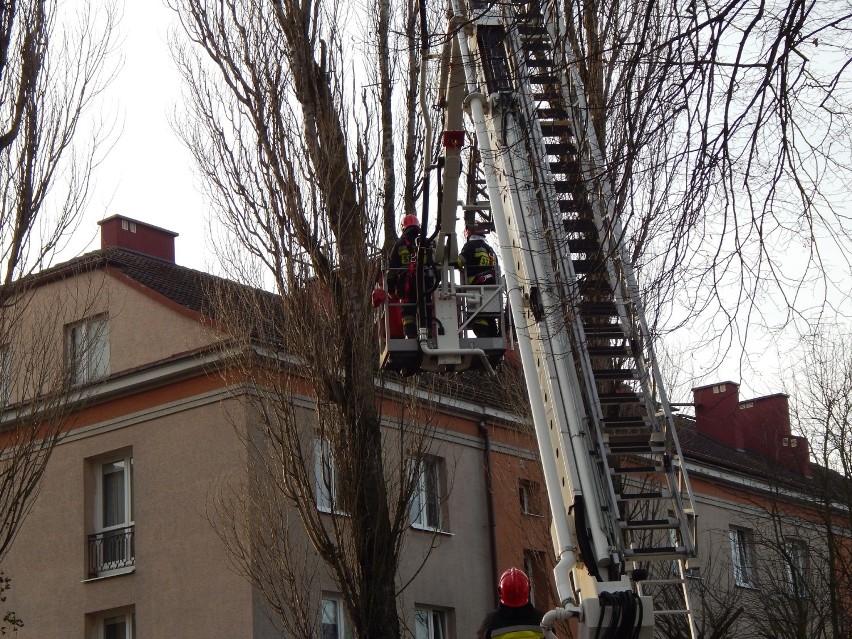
(789, 593)
(822, 408)
(723, 136)
(797, 589)
(292, 151)
(294, 517)
(53, 63)
(717, 607)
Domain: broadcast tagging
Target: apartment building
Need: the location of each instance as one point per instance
(774, 529)
(119, 543)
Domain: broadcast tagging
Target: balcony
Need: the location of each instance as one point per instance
(111, 552)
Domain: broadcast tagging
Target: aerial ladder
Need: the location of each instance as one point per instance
(623, 518)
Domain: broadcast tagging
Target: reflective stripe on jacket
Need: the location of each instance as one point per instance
(513, 623)
(517, 632)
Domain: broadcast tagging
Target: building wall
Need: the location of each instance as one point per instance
(143, 328)
(772, 519)
(180, 585)
(180, 431)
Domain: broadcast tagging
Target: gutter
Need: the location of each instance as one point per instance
(492, 525)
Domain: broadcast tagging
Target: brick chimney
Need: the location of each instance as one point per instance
(760, 425)
(138, 236)
(716, 413)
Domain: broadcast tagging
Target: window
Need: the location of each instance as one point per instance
(5, 375)
(430, 624)
(741, 557)
(118, 623)
(88, 350)
(119, 627)
(530, 569)
(333, 622)
(534, 566)
(529, 494)
(796, 559)
(426, 500)
(111, 547)
(328, 486)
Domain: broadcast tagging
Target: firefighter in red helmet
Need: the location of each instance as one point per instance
(515, 617)
(402, 280)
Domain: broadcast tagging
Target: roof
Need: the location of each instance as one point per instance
(701, 448)
(184, 286)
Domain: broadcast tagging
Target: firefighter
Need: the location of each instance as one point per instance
(515, 617)
(480, 263)
(402, 273)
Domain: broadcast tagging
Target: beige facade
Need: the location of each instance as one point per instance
(774, 538)
(118, 543)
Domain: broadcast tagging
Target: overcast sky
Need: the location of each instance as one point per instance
(148, 174)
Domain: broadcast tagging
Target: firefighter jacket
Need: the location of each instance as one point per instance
(512, 623)
(479, 261)
(402, 273)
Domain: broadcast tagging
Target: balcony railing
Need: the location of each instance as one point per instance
(111, 550)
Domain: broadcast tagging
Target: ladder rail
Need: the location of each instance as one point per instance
(546, 199)
(555, 24)
(588, 447)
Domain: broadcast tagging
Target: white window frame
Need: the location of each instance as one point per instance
(128, 521)
(5, 375)
(333, 604)
(529, 494)
(430, 623)
(529, 568)
(100, 624)
(327, 480)
(87, 349)
(795, 567)
(741, 557)
(427, 496)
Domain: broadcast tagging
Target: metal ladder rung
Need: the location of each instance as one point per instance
(561, 148)
(639, 449)
(618, 398)
(564, 187)
(614, 373)
(576, 225)
(609, 351)
(648, 524)
(552, 113)
(659, 554)
(584, 245)
(534, 43)
(634, 496)
(566, 166)
(625, 470)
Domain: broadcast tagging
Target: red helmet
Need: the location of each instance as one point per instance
(476, 229)
(514, 588)
(408, 221)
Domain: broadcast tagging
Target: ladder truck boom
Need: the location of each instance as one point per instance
(623, 514)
